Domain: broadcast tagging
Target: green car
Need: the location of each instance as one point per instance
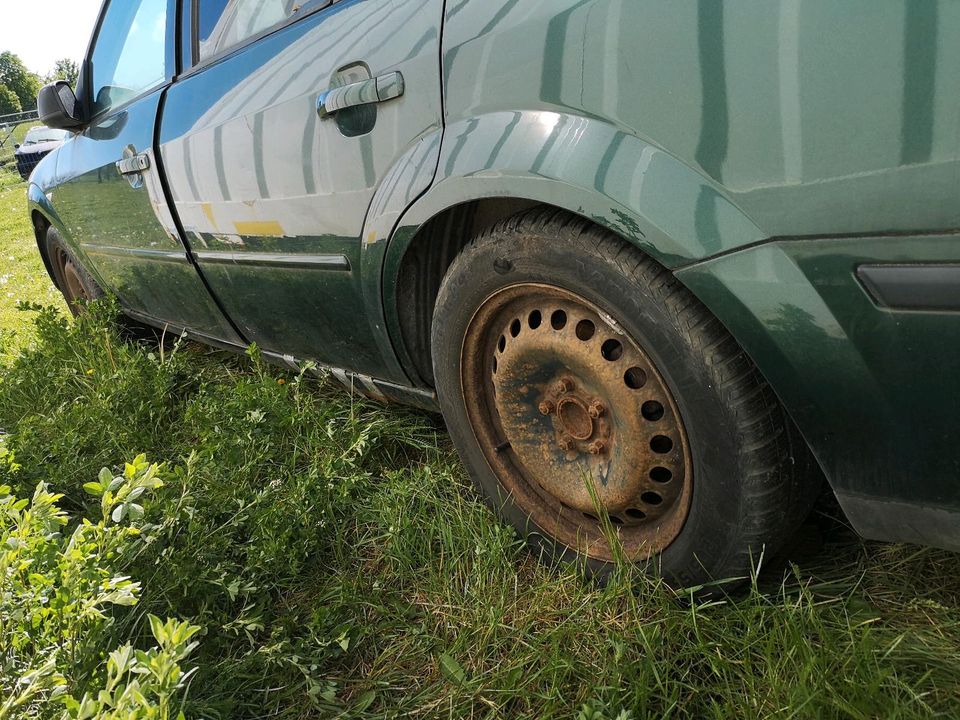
(661, 266)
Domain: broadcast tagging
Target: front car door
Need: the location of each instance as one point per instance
(273, 194)
(110, 194)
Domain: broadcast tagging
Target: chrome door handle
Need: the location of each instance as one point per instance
(133, 165)
(365, 92)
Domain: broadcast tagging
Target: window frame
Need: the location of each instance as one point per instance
(171, 63)
(190, 37)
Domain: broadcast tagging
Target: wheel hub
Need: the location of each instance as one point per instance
(577, 420)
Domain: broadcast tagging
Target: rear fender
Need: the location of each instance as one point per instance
(590, 168)
(584, 165)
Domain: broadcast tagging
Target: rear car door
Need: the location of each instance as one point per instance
(273, 194)
(110, 192)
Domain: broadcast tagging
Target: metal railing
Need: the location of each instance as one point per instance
(12, 129)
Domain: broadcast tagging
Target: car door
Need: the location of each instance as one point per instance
(110, 194)
(272, 193)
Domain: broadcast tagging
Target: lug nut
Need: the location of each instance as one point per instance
(597, 447)
(546, 407)
(596, 409)
(566, 444)
(564, 385)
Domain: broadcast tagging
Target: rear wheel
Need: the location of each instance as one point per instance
(588, 391)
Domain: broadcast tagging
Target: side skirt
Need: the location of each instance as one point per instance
(370, 387)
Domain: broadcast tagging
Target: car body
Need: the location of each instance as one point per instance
(793, 165)
(37, 144)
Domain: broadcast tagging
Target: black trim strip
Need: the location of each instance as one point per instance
(913, 287)
(281, 260)
(147, 254)
(202, 63)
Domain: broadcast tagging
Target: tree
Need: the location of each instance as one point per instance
(24, 84)
(65, 69)
(9, 102)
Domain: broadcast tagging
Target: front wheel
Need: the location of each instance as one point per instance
(79, 288)
(590, 394)
(75, 283)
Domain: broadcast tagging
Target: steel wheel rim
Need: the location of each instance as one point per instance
(73, 287)
(558, 393)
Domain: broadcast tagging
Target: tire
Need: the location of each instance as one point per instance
(695, 467)
(74, 282)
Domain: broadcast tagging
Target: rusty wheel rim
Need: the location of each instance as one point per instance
(559, 396)
(73, 288)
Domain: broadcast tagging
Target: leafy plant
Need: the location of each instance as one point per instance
(57, 592)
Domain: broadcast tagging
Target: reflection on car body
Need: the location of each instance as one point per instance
(37, 144)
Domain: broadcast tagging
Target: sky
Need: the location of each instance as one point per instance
(58, 29)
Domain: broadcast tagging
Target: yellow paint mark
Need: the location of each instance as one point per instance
(259, 228)
(208, 211)
(372, 237)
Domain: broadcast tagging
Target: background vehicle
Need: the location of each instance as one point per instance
(643, 299)
(37, 144)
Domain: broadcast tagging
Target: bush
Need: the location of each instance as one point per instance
(57, 594)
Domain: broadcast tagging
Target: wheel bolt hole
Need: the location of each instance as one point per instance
(502, 345)
(661, 475)
(635, 514)
(635, 378)
(590, 516)
(534, 320)
(661, 444)
(651, 498)
(558, 319)
(615, 520)
(494, 366)
(585, 330)
(652, 410)
(515, 328)
(611, 350)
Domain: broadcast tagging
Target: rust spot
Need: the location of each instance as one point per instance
(567, 405)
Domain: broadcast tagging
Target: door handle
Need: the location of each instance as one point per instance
(133, 165)
(365, 92)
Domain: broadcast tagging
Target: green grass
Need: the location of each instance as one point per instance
(22, 275)
(340, 565)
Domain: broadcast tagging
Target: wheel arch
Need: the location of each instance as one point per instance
(430, 249)
(42, 218)
(494, 165)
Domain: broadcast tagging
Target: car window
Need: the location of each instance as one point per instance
(222, 24)
(130, 52)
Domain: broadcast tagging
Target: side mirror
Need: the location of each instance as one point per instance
(57, 106)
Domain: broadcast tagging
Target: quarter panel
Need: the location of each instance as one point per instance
(589, 167)
(811, 116)
(872, 390)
